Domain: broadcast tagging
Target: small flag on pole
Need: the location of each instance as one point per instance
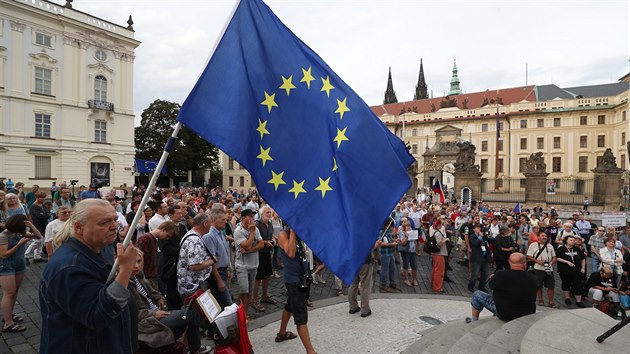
(517, 208)
(437, 188)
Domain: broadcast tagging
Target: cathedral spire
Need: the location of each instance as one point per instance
(455, 90)
(421, 87)
(390, 94)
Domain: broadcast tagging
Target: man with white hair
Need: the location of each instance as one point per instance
(79, 308)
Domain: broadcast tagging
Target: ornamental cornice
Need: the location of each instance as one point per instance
(101, 66)
(88, 38)
(44, 56)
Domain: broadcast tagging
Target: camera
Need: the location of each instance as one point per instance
(305, 281)
(73, 182)
(548, 268)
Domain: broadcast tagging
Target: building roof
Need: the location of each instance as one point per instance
(599, 90)
(550, 92)
(473, 100)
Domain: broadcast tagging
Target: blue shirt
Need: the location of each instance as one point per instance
(216, 244)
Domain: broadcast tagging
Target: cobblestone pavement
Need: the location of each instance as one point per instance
(28, 301)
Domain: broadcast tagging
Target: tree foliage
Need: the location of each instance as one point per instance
(191, 152)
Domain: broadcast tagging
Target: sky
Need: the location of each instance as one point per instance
(567, 43)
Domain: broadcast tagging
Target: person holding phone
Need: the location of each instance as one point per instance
(13, 241)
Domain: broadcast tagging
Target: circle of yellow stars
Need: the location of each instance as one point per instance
(277, 178)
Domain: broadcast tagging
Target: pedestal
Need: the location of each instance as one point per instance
(607, 188)
(468, 179)
(536, 188)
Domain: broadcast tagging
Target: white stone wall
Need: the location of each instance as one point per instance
(72, 58)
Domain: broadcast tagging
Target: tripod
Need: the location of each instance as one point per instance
(624, 321)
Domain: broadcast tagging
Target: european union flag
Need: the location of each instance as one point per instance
(316, 151)
(145, 166)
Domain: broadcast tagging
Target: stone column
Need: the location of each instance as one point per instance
(536, 187)
(470, 179)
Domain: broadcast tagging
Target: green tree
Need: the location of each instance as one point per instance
(191, 152)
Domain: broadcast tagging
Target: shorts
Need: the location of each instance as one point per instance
(409, 260)
(542, 278)
(296, 303)
(12, 266)
(264, 266)
(246, 278)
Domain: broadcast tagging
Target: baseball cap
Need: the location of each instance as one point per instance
(247, 212)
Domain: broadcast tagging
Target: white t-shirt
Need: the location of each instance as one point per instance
(52, 228)
(156, 221)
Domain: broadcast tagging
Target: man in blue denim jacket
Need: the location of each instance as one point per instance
(80, 312)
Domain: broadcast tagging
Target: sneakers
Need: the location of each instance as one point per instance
(204, 349)
(366, 314)
(567, 302)
(407, 282)
(353, 311)
(276, 274)
(415, 282)
(387, 289)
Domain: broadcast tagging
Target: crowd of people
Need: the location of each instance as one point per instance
(188, 239)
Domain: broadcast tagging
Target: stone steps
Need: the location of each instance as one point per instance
(551, 331)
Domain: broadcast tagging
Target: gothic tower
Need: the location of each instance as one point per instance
(390, 95)
(421, 87)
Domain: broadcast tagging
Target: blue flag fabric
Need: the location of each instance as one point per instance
(517, 208)
(319, 156)
(145, 166)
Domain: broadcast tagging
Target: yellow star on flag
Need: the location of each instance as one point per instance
(307, 77)
(323, 186)
(341, 107)
(335, 165)
(297, 189)
(326, 86)
(276, 179)
(287, 84)
(270, 101)
(341, 136)
(262, 128)
(264, 155)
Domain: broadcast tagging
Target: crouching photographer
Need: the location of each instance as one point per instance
(297, 281)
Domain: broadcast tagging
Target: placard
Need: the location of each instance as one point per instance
(551, 188)
(209, 306)
(412, 235)
(613, 219)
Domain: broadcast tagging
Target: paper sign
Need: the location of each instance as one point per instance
(613, 219)
(209, 305)
(412, 235)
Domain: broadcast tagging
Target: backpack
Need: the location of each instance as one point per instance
(431, 245)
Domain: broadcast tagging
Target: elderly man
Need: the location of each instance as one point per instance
(80, 311)
(217, 245)
(514, 292)
(596, 243)
(63, 200)
(63, 214)
(265, 269)
(248, 242)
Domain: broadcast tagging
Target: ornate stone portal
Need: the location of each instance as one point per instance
(467, 175)
(442, 153)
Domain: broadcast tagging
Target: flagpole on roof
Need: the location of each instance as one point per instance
(170, 144)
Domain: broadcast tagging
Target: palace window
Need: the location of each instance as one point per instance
(540, 123)
(583, 164)
(556, 164)
(484, 127)
(601, 141)
(523, 123)
(100, 88)
(601, 119)
(540, 143)
(583, 141)
(42, 167)
(523, 143)
(583, 120)
(556, 142)
(484, 145)
(100, 131)
(43, 39)
(483, 165)
(556, 122)
(42, 125)
(43, 81)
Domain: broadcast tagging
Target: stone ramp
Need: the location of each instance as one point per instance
(398, 324)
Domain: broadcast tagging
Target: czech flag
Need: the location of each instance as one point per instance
(437, 188)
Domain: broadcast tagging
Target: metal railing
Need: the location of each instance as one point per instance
(569, 190)
(102, 105)
(503, 190)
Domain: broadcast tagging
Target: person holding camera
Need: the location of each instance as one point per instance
(297, 281)
(248, 242)
(543, 256)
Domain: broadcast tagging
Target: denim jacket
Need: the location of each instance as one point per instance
(78, 316)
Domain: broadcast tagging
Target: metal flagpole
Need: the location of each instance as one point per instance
(170, 144)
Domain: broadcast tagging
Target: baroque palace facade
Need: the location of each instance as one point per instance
(571, 126)
(66, 95)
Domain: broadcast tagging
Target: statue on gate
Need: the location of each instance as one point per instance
(536, 163)
(466, 157)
